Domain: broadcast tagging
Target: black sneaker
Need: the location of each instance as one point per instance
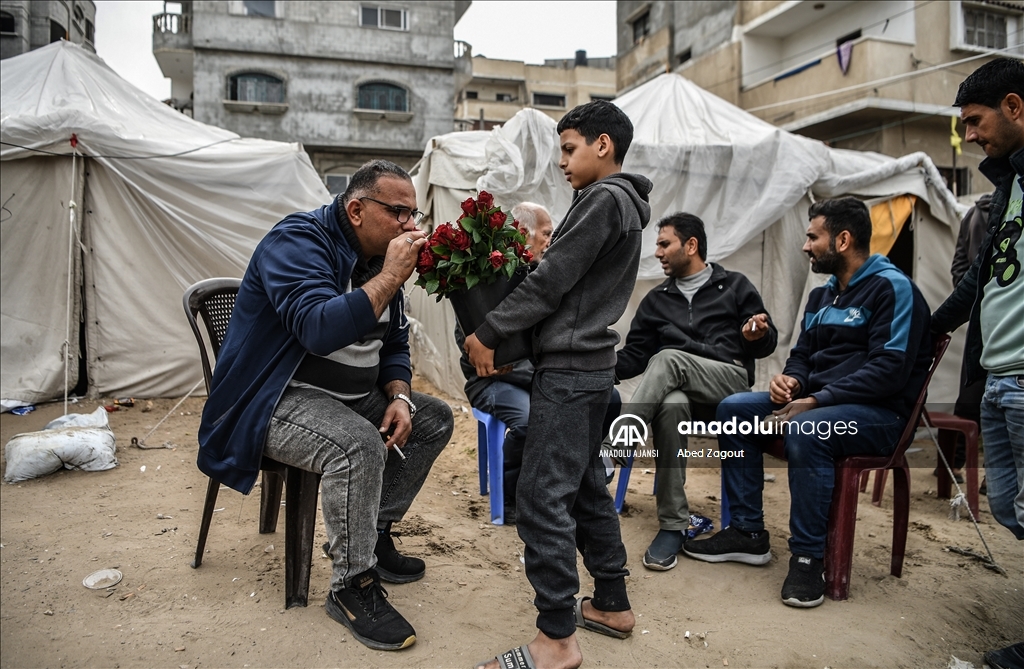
(731, 545)
(510, 514)
(805, 584)
(1011, 657)
(364, 609)
(661, 554)
(392, 565)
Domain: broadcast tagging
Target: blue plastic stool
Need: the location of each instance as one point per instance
(490, 442)
(726, 516)
(620, 492)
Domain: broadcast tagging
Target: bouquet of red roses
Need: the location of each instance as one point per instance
(477, 249)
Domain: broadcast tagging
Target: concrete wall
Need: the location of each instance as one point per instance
(321, 95)
(323, 55)
(520, 80)
(32, 24)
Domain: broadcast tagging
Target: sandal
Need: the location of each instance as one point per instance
(595, 626)
(517, 658)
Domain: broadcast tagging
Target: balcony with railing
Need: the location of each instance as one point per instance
(172, 31)
(172, 45)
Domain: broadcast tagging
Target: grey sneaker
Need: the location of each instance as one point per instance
(805, 585)
(731, 545)
(661, 554)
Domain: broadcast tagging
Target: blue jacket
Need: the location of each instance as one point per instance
(869, 344)
(292, 299)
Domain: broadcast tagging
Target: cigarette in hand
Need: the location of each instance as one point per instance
(753, 325)
(399, 451)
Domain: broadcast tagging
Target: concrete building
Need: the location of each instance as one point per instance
(352, 81)
(491, 91)
(866, 75)
(30, 24)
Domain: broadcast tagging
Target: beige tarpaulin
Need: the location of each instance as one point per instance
(162, 200)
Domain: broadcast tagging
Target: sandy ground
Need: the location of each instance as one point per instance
(475, 600)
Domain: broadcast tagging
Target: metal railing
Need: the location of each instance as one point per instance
(177, 24)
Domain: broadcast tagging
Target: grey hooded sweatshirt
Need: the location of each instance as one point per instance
(585, 281)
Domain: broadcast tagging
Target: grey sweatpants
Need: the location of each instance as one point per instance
(363, 485)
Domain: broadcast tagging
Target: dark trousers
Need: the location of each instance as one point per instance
(813, 444)
(563, 500)
(511, 405)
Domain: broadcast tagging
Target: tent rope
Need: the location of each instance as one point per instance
(72, 221)
(960, 500)
(141, 443)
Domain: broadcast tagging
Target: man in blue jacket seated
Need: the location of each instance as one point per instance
(847, 389)
(314, 372)
(694, 338)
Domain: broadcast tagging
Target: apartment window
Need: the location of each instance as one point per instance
(255, 87)
(90, 31)
(503, 97)
(382, 17)
(6, 22)
(57, 31)
(383, 97)
(641, 27)
(548, 100)
(984, 29)
(471, 95)
(336, 183)
(958, 180)
(265, 8)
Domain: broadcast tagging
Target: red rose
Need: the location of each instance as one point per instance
(518, 248)
(460, 239)
(469, 207)
(496, 220)
(425, 262)
(485, 200)
(527, 256)
(497, 259)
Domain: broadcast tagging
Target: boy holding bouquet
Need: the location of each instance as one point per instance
(571, 300)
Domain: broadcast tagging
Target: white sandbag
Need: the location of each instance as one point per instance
(90, 448)
(98, 418)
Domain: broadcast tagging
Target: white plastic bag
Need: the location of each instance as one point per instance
(75, 441)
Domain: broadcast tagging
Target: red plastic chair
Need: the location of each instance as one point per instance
(842, 515)
(214, 299)
(947, 425)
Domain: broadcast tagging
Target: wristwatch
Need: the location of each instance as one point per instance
(405, 398)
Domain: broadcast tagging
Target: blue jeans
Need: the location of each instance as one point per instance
(811, 460)
(1002, 425)
(511, 405)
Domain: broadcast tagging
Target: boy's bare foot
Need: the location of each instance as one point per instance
(549, 653)
(618, 620)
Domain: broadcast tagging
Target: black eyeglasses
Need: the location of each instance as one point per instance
(403, 214)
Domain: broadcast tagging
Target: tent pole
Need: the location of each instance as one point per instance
(71, 270)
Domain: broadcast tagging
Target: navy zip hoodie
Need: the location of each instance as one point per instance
(292, 299)
(869, 344)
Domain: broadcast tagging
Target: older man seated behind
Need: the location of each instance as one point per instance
(854, 375)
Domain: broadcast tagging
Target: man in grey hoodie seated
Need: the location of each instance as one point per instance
(694, 338)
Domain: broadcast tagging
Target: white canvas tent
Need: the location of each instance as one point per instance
(750, 182)
(161, 201)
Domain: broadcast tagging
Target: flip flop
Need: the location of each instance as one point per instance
(595, 626)
(517, 658)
